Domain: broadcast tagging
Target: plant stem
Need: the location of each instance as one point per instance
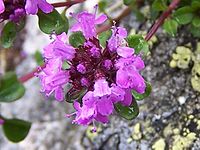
(31, 74)
(125, 13)
(67, 4)
(161, 19)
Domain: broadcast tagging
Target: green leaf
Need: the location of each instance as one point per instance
(102, 5)
(38, 58)
(65, 65)
(138, 43)
(73, 95)
(159, 5)
(195, 31)
(184, 15)
(196, 21)
(147, 92)
(104, 36)
(128, 2)
(53, 22)
(76, 39)
(128, 113)
(15, 129)
(196, 5)
(8, 34)
(170, 26)
(10, 88)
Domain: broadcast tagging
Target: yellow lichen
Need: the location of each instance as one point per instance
(137, 135)
(195, 80)
(181, 58)
(159, 144)
(183, 142)
(167, 130)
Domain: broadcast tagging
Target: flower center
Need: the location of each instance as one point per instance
(92, 62)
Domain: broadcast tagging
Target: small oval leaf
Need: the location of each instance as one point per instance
(76, 39)
(128, 113)
(74, 94)
(8, 34)
(104, 36)
(138, 43)
(170, 27)
(10, 88)
(16, 130)
(184, 15)
(53, 22)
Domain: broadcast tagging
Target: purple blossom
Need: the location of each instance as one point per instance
(86, 23)
(32, 6)
(1, 121)
(17, 15)
(108, 75)
(2, 6)
(58, 49)
(116, 43)
(128, 74)
(53, 78)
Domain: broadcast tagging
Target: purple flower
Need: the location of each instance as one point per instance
(17, 15)
(116, 43)
(53, 78)
(128, 74)
(2, 6)
(86, 23)
(107, 75)
(58, 49)
(1, 121)
(33, 5)
(99, 104)
(12, 10)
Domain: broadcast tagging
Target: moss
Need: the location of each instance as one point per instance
(181, 58)
(137, 135)
(159, 144)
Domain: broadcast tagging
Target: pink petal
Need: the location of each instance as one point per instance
(105, 106)
(76, 27)
(2, 7)
(138, 63)
(44, 6)
(101, 88)
(122, 32)
(31, 7)
(125, 51)
(122, 78)
(59, 95)
(101, 118)
(127, 98)
(102, 18)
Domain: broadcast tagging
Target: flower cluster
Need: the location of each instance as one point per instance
(107, 74)
(14, 10)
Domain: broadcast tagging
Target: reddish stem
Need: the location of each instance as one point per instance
(67, 4)
(160, 21)
(125, 13)
(31, 74)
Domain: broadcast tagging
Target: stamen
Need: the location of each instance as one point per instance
(94, 128)
(70, 115)
(95, 10)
